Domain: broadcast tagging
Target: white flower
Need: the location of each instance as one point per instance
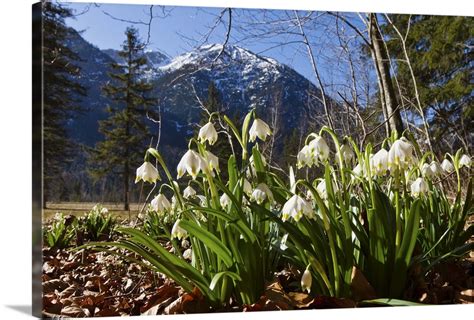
(177, 231)
(259, 129)
(358, 170)
(400, 155)
(212, 161)
(160, 204)
(261, 193)
(202, 200)
(426, 171)
(247, 187)
(322, 190)
(306, 281)
(147, 172)
(188, 254)
(189, 192)
(225, 201)
(305, 158)
(419, 187)
(379, 162)
(318, 147)
(283, 241)
(191, 163)
(208, 133)
(465, 161)
(296, 207)
(104, 210)
(447, 166)
(346, 152)
(174, 203)
(436, 168)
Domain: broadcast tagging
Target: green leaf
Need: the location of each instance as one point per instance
(388, 302)
(232, 275)
(210, 240)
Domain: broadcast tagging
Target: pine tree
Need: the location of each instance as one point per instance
(125, 132)
(440, 52)
(61, 94)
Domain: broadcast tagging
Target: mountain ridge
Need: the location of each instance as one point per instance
(244, 79)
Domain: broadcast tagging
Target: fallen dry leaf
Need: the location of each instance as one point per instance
(360, 286)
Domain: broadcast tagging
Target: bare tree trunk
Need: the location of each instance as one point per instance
(382, 64)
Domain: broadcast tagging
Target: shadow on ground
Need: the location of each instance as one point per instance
(22, 309)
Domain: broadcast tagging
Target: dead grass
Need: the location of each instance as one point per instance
(80, 208)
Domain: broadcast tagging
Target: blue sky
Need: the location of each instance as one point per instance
(166, 33)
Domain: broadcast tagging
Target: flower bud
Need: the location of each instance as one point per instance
(306, 281)
(225, 201)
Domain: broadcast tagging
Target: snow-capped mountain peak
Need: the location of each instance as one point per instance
(213, 55)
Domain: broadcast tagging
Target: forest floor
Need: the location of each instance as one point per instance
(89, 283)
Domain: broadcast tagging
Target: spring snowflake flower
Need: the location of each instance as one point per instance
(318, 147)
(306, 281)
(147, 172)
(296, 207)
(202, 200)
(259, 129)
(465, 161)
(358, 170)
(247, 187)
(305, 158)
(225, 201)
(400, 155)
(160, 204)
(262, 193)
(191, 163)
(189, 192)
(436, 168)
(188, 254)
(426, 171)
(447, 166)
(379, 162)
(321, 189)
(211, 161)
(177, 231)
(346, 152)
(419, 187)
(208, 133)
